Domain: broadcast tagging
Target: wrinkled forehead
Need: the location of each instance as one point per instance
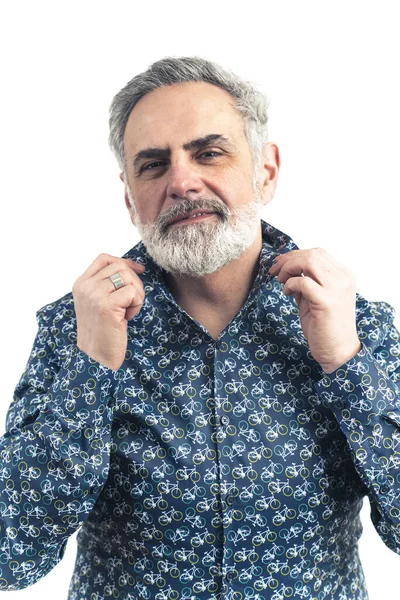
(182, 112)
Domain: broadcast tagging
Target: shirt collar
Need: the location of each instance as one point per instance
(274, 243)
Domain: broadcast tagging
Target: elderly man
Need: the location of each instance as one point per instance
(210, 409)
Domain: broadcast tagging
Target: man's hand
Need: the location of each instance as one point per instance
(325, 292)
(102, 312)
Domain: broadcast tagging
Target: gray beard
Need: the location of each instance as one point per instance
(200, 248)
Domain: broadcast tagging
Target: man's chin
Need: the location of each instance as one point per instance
(180, 269)
(197, 249)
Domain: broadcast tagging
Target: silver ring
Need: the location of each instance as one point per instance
(117, 281)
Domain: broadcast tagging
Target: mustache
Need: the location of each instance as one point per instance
(187, 205)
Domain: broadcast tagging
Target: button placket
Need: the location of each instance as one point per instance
(229, 491)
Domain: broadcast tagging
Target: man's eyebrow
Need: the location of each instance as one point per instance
(192, 145)
(206, 141)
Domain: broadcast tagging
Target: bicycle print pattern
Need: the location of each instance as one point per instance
(202, 469)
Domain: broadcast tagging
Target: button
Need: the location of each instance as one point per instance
(230, 576)
(224, 420)
(210, 352)
(210, 402)
(230, 499)
(219, 437)
(213, 420)
(385, 489)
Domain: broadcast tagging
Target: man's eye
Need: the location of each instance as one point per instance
(210, 152)
(152, 165)
(156, 164)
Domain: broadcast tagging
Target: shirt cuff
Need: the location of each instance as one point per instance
(361, 376)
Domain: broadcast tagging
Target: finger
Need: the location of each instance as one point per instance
(127, 272)
(103, 260)
(129, 278)
(307, 287)
(126, 297)
(319, 269)
(312, 254)
(138, 267)
(99, 287)
(133, 311)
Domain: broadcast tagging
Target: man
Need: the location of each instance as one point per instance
(211, 408)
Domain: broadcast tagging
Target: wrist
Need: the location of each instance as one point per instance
(342, 358)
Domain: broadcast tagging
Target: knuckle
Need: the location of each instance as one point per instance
(138, 295)
(104, 257)
(77, 286)
(316, 254)
(120, 265)
(125, 274)
(139, 292)
(130, 276)
(84, 286)
(313, 260)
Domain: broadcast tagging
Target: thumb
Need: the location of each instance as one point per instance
(132, 312)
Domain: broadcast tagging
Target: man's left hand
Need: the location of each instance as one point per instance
(325, 292)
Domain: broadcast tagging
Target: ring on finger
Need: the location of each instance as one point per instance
(117, 280)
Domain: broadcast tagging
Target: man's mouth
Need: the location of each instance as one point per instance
(190, 217)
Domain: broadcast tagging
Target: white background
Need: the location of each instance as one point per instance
(331, 70)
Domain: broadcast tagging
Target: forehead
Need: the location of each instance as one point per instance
(182, 111)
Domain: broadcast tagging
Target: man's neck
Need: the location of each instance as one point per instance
(215, 299)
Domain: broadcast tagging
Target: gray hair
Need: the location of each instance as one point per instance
(251, 103)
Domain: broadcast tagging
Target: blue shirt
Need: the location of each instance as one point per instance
(203, 469)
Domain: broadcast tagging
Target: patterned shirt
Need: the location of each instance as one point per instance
(203, 469)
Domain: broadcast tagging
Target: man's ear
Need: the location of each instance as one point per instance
(270, 165)
(127, 203)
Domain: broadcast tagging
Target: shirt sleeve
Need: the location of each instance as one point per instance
(364, 395)
(54, 455)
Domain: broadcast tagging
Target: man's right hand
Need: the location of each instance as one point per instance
(102, 312)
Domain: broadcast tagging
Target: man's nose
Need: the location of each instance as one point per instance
(183, 177)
